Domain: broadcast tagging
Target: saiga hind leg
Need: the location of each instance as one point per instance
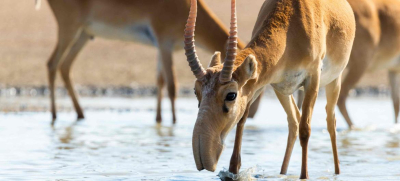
(300, 98)
(66, 38)
(356, 70)
(311, 92)
(66, 68)
(293, 117)
(394, 87)
(160, 86)
(332, 95)
(169, 76)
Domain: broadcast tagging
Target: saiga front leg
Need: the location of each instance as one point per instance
(293, 117)
(236, 162)
(311, 92)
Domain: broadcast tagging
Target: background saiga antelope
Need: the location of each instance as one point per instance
(290, 40)
(152, 22)
(376, 46)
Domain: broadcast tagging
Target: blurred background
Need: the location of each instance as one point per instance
(28, 38)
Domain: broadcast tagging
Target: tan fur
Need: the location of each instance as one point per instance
(153, 22)
(376, 47)
(290, 40)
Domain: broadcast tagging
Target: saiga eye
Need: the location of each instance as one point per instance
(230, 96)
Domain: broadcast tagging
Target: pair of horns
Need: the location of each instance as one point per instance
(190, 50)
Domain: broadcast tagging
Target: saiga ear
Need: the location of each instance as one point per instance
(248, 69)
(215, 59)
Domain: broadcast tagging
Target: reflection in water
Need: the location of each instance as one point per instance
(348, 143)
(129, 145)
(67, 135)
(164, 131)
(394, 142)
(393, 145)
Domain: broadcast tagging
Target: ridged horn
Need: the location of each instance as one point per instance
(227, 70)
(190, 50)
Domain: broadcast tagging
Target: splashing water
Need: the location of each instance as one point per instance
(245, 175)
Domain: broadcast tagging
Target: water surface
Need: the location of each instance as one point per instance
(125, 144)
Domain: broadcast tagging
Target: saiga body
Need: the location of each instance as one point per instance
(152, 22)
(376, 47)
(290, 41)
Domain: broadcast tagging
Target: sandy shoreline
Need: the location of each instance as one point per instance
(36, 99)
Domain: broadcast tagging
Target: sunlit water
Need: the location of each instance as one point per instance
(125, 144)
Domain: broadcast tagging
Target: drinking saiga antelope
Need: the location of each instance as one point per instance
(376, 47)
(290, 40)
(152, 22)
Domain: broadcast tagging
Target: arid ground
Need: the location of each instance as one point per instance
(28, 37)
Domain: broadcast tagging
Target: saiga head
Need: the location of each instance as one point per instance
(223, 91)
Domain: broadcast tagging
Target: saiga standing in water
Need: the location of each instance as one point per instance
(290, 40)
(376, 47)
(151, 22)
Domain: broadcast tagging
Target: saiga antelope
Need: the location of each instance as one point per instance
(376, 47)
(287, 50)
(152, 22)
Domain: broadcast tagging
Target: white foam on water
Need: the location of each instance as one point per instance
(245, 175)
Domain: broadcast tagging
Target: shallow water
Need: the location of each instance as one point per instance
(125, 144)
